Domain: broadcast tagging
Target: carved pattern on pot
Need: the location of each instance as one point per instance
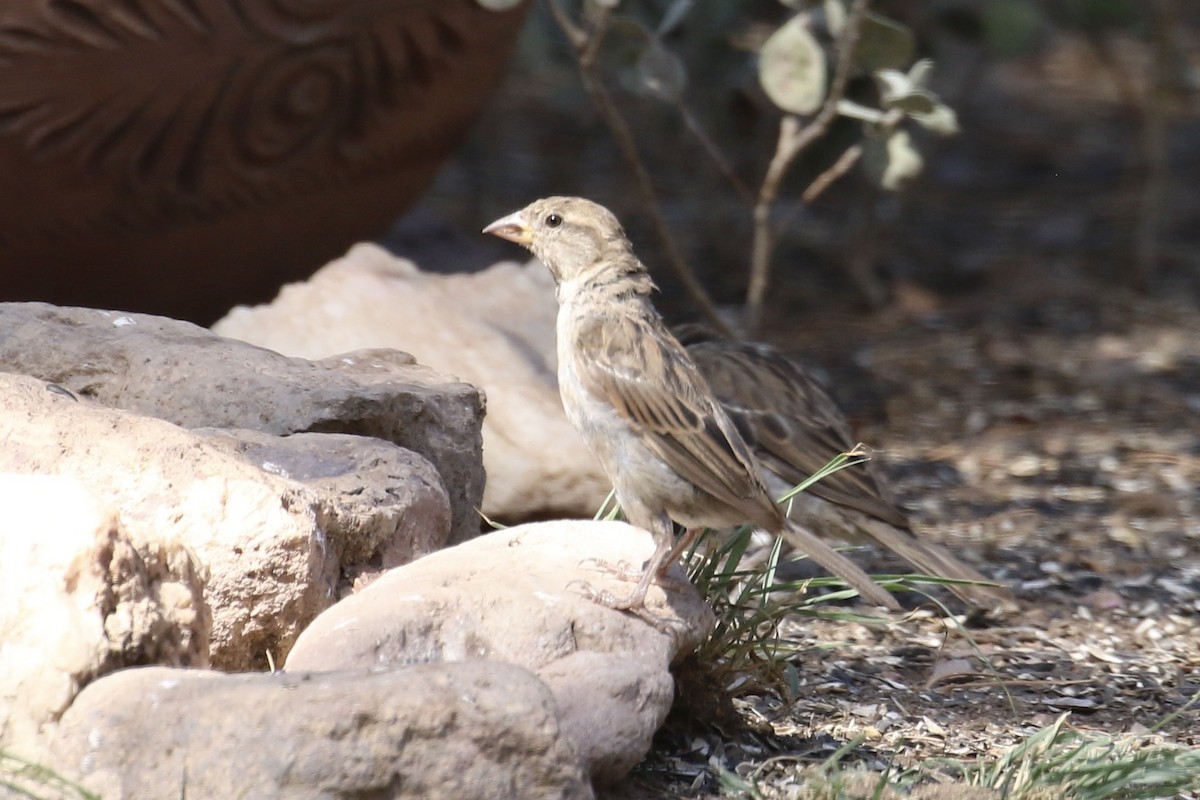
(277, 97)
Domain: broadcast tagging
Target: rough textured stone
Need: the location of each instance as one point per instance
(386, 505)
(494, 328)
(609, 706)
(455, 731)
(193, 378)
(258, 535)
(78, 599)
(514, 596)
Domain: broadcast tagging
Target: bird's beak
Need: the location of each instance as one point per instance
(513, 227)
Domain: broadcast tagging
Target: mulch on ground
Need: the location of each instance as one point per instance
(1052, 439)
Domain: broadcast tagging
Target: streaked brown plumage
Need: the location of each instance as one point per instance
(794, 427)
(639, 401)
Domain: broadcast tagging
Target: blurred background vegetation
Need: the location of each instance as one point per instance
(1076, 160)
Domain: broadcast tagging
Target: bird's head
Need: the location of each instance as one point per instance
(570, 235)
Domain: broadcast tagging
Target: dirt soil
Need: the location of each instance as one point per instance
(1031, 413)
(1053, 440)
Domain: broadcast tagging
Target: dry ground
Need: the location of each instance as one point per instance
(1033, 416)
(1055, 443)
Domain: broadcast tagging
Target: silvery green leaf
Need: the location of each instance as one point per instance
(676, 13)
(918, 74)
(915, 102)
(853, 110)
(791, 68)
(941, 120)
(891, 161)
(883, 44)
(499, 5)
(660, 73)
(892, 84)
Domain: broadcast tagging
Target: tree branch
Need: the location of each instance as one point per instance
(794, 139)
(587, 46)
(839, 168)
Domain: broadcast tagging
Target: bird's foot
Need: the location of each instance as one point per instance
(624, 571)
(632, 604)
(621, 570)
(606, 598)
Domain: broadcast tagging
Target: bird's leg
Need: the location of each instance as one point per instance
(690, 535)
(667, 551)
(624, 571)
(657, 568)
(636, 600)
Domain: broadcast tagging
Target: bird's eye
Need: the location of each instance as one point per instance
(553, 220)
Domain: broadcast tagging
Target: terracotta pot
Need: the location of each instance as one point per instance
(180, 156)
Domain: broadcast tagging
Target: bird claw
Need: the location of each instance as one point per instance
(624, 571)
(630, 605)
(621, 570)
(586, 590)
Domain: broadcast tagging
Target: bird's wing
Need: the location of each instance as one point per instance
(638, 368)
(794, 427)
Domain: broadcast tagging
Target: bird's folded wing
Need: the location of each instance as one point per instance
(791, 422)
(648, 378)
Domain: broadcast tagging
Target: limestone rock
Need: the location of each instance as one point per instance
(78, 599)
(186, 375)
(455, 731)
(609, 707)
(494, 329)
(385, 505)
(270, 568)
(513, 596)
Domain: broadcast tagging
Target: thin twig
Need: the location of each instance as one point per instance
(714, 152)
(888, 122)
(573, 32)
(594, 38)
(793, 139)
(587, 46)
(840, 167)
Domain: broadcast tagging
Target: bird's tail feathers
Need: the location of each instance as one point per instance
(932, 559)
(819, 551)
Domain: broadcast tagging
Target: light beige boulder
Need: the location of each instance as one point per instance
(270, 568)
(519, 596)
(79, 598)
(380, 505)
(277, 522)
(478, 731)
(494, 329)
(193, 378)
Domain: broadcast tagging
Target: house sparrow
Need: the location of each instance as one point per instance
(794, 427)
(641, 404)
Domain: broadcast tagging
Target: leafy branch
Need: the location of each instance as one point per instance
(793, 139)
(792, 71)
(586, 39)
